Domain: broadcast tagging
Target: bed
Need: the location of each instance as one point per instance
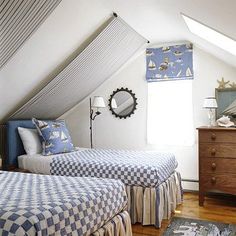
(32, 204)
(152, 184)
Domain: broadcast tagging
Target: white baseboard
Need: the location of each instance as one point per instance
(192, 186)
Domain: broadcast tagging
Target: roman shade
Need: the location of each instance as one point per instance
(111, 49)
(169, 63)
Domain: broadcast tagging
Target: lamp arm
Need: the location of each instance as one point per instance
(91, 114)
(97, 113)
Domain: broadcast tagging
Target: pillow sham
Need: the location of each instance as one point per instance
(55, 136)
(30, 140)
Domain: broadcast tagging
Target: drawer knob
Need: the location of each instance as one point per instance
(213, 151)
(213, 166)
(213, 180)
(213, 136)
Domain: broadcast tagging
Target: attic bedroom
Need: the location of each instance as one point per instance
(117, 117)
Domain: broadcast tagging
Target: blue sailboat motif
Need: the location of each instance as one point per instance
(64, 138)
(166, 49)
(56, 125)
(188, 72)
(164, 65)
(178, 53)
(49, 153)
(54, 134)
(151, 65)
(46, 145)
(169, 63)
(149, 53)
(43, 124)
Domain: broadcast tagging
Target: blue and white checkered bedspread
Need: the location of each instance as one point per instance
(55, 205)
(143, 168)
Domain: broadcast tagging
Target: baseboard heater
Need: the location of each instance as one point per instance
(111, 49)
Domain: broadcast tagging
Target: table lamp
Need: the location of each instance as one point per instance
(210, 104)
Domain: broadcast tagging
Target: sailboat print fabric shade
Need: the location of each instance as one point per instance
(169, 63)
(54, 135)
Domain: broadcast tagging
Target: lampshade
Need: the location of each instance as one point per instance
(113, 103)
(98, 102)
(210, 102)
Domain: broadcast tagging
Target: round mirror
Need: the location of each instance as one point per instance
(122, 103)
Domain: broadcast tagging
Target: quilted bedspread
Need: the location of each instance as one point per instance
(33, 204)
(141, 168)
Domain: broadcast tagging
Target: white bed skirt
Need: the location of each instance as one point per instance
(119, 225)
(149, 206)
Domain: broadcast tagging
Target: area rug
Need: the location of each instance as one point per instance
(191, 227)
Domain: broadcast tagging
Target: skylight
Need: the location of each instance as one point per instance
(211, 35)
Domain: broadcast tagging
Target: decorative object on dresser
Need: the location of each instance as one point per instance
(224, 121)
(217, 161)
(122, 103)
(210, 104)
(98, 102)
(226, 100)
(222, 83)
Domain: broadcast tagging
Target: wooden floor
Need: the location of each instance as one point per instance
(217, 208)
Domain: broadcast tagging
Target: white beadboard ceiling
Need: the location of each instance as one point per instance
(72, 23)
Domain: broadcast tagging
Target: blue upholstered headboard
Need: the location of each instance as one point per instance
(14, 144)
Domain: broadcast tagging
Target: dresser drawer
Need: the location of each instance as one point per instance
(217, 165)
(217, 150)
(217, 136)
(224, 183)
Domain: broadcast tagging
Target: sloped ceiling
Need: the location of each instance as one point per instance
(18, 20)
(73, 22)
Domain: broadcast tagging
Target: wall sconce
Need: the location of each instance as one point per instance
(98, 102)
(210, 104)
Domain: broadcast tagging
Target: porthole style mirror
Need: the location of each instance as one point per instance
(122, 103)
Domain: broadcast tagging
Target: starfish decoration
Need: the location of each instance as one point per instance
(232, 85)
(222, 83)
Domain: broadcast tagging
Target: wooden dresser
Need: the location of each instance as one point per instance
(217, 161)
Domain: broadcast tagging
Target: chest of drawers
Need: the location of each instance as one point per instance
(217, 160)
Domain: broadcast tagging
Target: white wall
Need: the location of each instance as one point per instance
(71, 24)
(111, 132)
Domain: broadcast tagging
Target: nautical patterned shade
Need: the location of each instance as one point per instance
(169, 63)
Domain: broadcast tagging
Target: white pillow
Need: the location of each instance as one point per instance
(30, 140)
